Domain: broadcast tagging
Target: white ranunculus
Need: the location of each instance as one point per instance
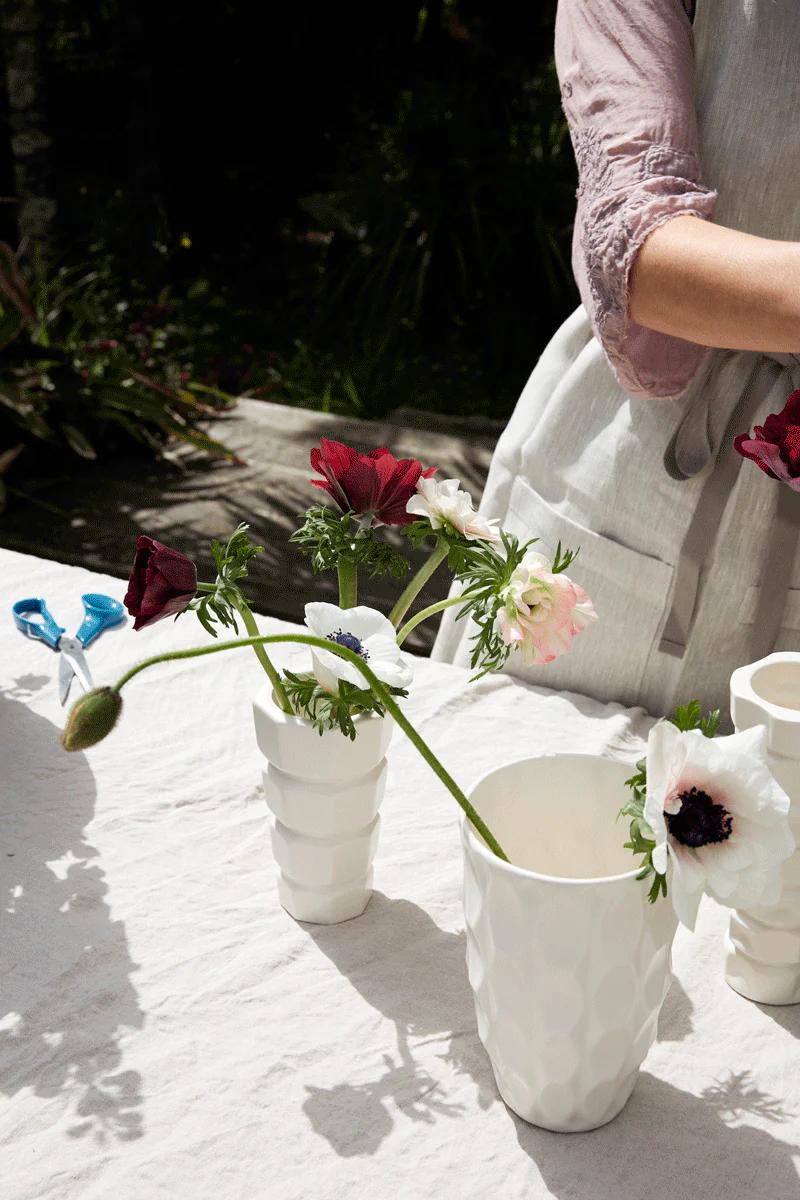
(718, 817)
(444, 504)
(365, 631)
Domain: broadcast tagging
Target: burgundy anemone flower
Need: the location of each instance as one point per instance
(162, 582)
(376, 484)
(775, 445)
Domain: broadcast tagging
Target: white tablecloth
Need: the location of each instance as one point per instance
(168, 1031)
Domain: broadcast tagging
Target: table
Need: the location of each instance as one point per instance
(168, 1031)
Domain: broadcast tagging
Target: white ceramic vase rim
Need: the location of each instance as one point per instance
(742, 685)
(480, 847)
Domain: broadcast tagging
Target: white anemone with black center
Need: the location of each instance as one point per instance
(718, 818)
(367, 633)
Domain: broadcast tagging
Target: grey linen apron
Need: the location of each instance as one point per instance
(688, 551)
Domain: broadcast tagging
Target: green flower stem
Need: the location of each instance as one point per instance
(418, 582)
(348, 583)
(382, 692)
(250, 625)
(431, 611)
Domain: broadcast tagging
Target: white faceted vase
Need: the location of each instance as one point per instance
(324, 792)
(568, 961)
(763, 945)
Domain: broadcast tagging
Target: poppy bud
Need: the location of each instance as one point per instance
(91, 718)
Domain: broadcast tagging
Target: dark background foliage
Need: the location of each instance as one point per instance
(353, 206)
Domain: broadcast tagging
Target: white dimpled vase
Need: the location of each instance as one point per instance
(568, 961)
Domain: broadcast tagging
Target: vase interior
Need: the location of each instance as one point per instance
(557, 815)
(778, 683)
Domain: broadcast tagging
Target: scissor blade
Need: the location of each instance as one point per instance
(73, 663)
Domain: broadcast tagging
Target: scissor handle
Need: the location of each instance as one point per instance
(47, 630)
(101, 613)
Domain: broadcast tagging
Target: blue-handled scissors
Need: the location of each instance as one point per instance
(33, 618)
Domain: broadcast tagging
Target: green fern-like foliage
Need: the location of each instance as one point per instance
(329, 710)
(217, 603)
(328, 536)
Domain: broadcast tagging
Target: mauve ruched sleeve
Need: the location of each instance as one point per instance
(626, 69)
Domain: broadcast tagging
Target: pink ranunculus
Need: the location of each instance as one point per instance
(775, 445)
(542, 612)
(375, 484)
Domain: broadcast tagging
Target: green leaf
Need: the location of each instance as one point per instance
(709, 724)
(202, 616)
(563, 559)
(79, 442)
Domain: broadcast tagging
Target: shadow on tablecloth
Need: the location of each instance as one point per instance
(414, 973)
(66, 990)
(667, 1144)
(785, 1015)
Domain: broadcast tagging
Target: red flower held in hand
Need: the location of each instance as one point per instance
(775, 445)
(376, 484)
(162, 582)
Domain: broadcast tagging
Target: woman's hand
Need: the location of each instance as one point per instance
(718, 287)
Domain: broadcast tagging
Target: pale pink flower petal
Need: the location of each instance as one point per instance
(542, 611)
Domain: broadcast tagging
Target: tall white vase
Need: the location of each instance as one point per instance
(568, 961)
(763, 945)
(324, 792)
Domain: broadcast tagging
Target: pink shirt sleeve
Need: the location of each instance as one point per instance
(626, 69)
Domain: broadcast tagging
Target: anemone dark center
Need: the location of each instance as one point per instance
(350, 641)
(699, 820)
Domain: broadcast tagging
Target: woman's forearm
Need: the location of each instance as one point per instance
(718, 287)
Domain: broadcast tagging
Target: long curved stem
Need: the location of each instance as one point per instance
(430, 611)
(380, 690)
(250, 625)
(417, 583)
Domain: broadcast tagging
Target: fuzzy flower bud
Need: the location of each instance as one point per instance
(91, 718)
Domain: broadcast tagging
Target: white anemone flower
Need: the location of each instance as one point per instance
(718, 817)
(368, 633)
(444, 504)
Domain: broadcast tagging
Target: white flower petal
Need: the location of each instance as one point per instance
(376, 636)
(329, 669)
(321, 618)
(684, 892)
(661, 753)
(364, 622)
(744, 869)
(660, 857)
(419, 507)
(385, 658)
(444, 503)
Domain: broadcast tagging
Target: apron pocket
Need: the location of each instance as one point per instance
(629, 590)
